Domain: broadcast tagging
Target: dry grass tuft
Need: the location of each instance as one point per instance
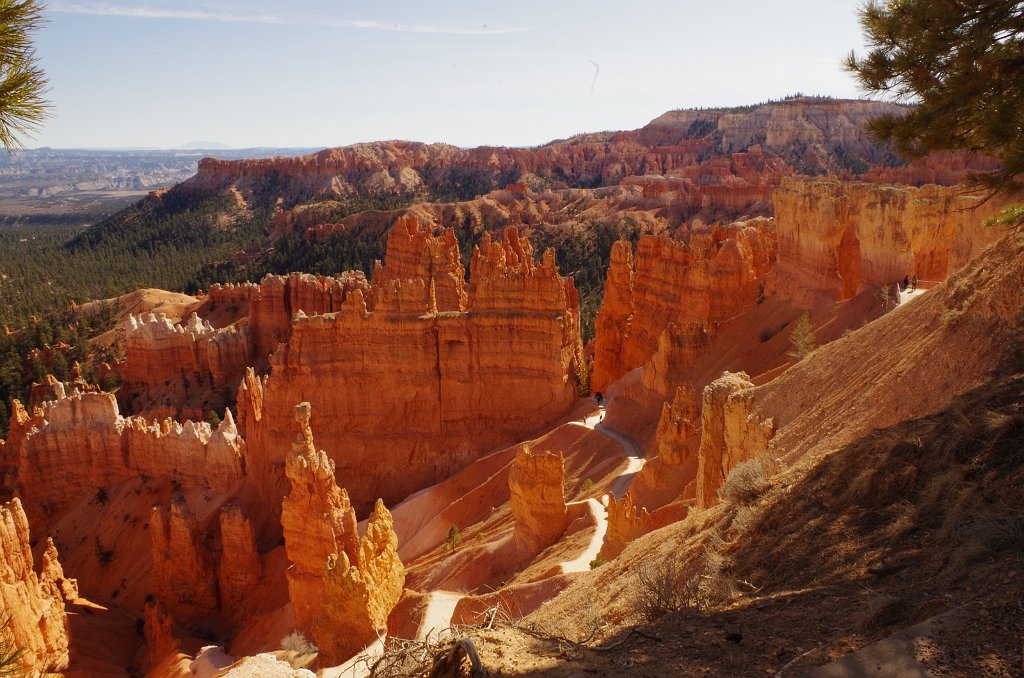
(749, 480)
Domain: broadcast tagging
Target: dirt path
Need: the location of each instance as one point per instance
(636, 461)
(581, 563)
(438, 615)
(618, 487)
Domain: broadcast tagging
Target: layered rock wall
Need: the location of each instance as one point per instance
(72, 446)
(837, 239)
(803, 133)
(31, 603)
(710, 277)
(456, 382)
(174, 366)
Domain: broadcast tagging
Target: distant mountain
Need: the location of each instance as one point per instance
(46, 173)
(202, 145)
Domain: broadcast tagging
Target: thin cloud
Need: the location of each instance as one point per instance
(233, 17)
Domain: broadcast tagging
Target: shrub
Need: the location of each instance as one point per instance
(670, 585)
(103, 556)
(296, 642)
(748, 480)
(9, 654)
(597, 562)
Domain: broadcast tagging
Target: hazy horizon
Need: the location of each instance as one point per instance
(162, 75)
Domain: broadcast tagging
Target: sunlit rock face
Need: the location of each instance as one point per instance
(422, 373)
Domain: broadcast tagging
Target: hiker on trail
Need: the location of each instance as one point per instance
(599, 397)
(906, 282)
(913, 284)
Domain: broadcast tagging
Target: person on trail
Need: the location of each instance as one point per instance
(913, 284)
(906, 282)
(599, 397)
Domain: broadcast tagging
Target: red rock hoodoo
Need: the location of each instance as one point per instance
(460, 381)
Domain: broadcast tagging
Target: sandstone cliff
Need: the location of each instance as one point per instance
(837, 239)
(730, 433)
(71, 446)
(185, 369)
(626, 522)
(712, 275)
(805, 133)
(460, 381)
(536, 499)
(183, 577)
(809, 133)
(341, 587)
(32, 603)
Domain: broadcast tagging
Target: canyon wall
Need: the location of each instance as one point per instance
(837, 239)
(713, 275)
(405, 378)
(803, 133)
(179, 370)
(72, 446)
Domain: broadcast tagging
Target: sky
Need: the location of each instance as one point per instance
(319, 73)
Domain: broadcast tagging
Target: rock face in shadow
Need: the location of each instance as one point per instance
(537, 501)
(183, 576)
(419, 373)
(800, 134)
(240, 567)
(32, 603)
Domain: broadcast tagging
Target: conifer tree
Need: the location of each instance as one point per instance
(22, 82)
(962, 64)
(802, 338)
